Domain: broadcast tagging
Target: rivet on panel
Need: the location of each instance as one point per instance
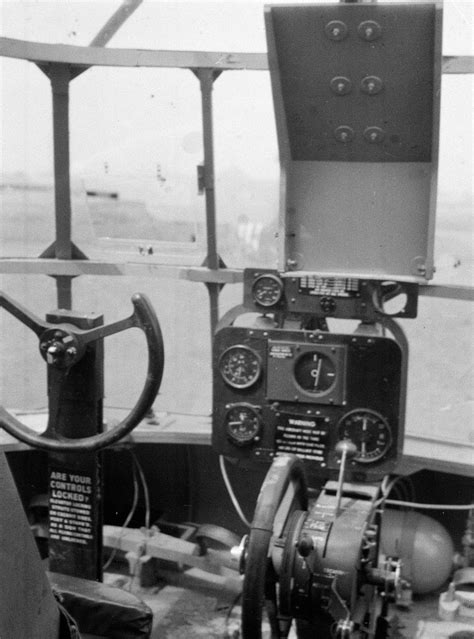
(336, 30)
(369, 30)
(374, 134)
(344, 134)
(341, 85)
(371, 85)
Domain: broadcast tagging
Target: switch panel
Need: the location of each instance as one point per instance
(357, 80)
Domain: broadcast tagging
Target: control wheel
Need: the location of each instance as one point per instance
(283, 492)
(63, 345)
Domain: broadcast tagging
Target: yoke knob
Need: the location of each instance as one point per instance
(305, 546)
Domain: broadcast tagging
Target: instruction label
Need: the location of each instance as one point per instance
(70, 507)
(279, 350)
(305, 437)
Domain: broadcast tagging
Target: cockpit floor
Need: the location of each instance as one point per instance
(184, 610)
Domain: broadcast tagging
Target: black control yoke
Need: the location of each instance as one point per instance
(62, 345)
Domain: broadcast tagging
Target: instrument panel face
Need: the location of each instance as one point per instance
(342, 297)
(240, 366)
(306, 372)
(281, 391)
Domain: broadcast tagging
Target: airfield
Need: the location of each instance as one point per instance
(441, 362)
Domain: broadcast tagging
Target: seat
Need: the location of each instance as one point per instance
(100, 610)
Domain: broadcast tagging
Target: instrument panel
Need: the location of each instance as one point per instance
(323, 297)
(283, 391)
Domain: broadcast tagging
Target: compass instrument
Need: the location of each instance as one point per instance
(315, 372)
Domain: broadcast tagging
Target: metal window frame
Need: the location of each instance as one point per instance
(62, 63)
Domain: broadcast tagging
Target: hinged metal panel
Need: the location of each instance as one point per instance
(356, 92)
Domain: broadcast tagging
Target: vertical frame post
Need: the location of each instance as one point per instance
(62, 248)
(60, 77)
(206, 79)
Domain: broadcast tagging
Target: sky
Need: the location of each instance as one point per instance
(135, 125)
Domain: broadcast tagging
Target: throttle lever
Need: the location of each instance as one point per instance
(346, 449)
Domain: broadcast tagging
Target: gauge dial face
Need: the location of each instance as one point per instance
(369, 431)
(240, 366)
(315, 372)
(267, 290)
(243, 424)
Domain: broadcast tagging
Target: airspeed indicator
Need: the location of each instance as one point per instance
(240, 366)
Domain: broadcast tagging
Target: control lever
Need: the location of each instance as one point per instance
(346, 449)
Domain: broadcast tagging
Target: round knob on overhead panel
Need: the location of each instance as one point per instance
(371, 85)
(369, 30)
(336, 30)
(344, 134)
(374, 134)
(340, 85)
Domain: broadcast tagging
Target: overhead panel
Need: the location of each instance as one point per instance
(356, 93)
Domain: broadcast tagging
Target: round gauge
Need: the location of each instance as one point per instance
(369, 431)
(315, 372)
(240, 366)
(243, 424)
(267, 290)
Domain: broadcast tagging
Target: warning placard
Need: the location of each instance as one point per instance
(70, 507)
(303, 436)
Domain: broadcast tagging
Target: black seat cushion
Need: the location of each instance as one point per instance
(102, 610)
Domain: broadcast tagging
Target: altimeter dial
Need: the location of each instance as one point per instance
(369, 431)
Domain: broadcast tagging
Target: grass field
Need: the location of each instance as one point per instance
(441, 358)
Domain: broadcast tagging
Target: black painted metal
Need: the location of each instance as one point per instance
(75, 481)
(144, 318)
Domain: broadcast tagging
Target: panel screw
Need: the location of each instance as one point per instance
(344, 134)
(374, 134)
(341, 85)
(371, 85)
(369, 30)
(336, 30)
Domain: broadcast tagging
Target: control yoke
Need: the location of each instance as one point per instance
(62, 346)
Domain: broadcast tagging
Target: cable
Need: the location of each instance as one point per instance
(398, 485)
(230, 490)
(410, 504)
(144, 484)
(127, 519)
(235, 601)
